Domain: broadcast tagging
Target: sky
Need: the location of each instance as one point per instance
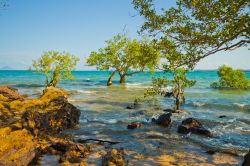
(30, 27)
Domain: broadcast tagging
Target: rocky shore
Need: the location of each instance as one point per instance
(30, 128)
(28, 124)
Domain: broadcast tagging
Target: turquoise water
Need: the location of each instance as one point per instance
(104, 114)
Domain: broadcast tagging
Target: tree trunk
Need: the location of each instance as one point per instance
(177, 102)
(109, 82)
(178, 98)
(55, 79)
(122, 78)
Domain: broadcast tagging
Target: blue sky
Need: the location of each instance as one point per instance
(30, 27)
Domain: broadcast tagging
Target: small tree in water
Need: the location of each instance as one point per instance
(230, 78)
(178, 84)
(125, 56)
(56, 66)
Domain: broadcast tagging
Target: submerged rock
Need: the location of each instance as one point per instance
(192, 125)
(246, 161)
(163, 120)
(114, 157)
(134, 125)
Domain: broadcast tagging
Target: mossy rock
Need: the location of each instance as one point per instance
(17, 147)
(9, 93)
(114, 157)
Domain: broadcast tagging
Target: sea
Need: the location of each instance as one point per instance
(104, 114)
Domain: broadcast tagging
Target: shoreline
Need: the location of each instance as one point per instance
(94, 151)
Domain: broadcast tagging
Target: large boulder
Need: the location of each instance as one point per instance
(246, 161)
(192, 125)
(53, 114)
(10, 93)
(163, 120)
(30, 121)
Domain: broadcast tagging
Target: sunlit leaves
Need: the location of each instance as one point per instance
(56, 65)
(230, 78)
(126, 56)
(195, 29)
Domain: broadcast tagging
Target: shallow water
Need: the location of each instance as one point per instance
(104, 114)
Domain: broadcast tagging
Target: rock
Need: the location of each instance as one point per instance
(114, 157)
(54, 115)
(10, 93)
(74, 154)
(222, 116)
(70, 152)
(134, 125)
(192, 125)
(163, 120)
(30, 123)
(246, 161)
(130, 107)
(211, 152)
(169, 94)
(17, 147)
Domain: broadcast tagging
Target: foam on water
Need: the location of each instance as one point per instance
(86, 92)
(135, 85)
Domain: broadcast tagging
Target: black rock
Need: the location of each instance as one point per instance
(246, 161)
(163, 120)
(210, 152)
(129, 107)
(222, 116)
(194, 126)
(169, 94)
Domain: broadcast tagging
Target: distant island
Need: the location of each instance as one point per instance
(6, 68)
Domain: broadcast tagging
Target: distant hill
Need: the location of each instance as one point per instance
(6, 68)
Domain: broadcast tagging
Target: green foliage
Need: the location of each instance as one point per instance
(126, 56)
(230, 78)
(158, 86)
(56, 66)
(179, 83)
(195, 29)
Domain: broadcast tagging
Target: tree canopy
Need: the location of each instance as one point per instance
(125, 56)
(230, 78)
(195, 29)
(56, 65)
